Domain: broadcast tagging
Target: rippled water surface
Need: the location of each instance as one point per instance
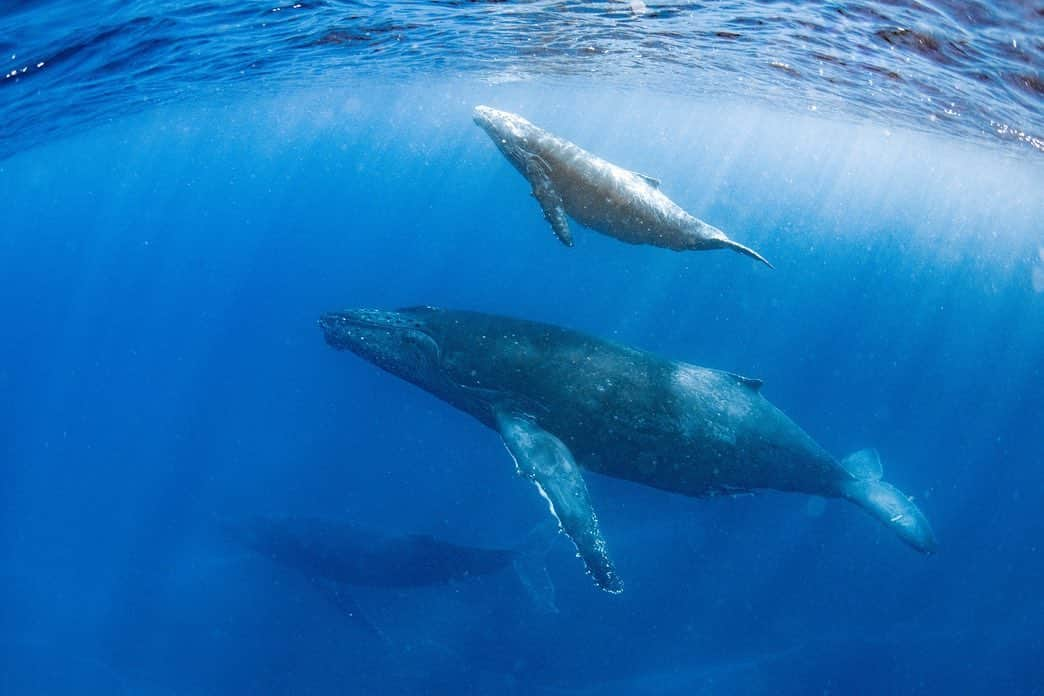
(966, 69)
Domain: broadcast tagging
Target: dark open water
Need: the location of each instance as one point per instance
(185, 188)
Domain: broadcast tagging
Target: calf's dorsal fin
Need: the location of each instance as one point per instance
(651, 180)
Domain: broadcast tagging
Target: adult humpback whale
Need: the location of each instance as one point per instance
(347, 553)
(596, 193)
(562, 400)
(334, 555)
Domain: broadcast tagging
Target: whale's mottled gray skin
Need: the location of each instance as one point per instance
(567, 179)
(563, 400)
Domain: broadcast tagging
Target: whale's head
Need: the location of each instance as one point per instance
(400, 342)
(510, 132)
(501, 124)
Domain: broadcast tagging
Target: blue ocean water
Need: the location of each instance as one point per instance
(173, 225)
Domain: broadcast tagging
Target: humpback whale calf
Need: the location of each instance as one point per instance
(567, 179)
(563, 401)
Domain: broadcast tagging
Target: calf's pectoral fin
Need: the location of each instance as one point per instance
(539, 176)
(546, 461)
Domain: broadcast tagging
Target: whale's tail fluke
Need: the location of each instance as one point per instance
(884, 501)
(530, 566)
(745, 250)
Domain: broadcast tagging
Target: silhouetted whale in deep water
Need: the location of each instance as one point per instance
(347, 553)
(334, 556)
(562, 400)
(567, 179)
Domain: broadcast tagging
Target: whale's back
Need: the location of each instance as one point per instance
(631, 414)
(605, 197)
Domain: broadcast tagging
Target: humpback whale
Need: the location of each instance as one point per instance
(567, 179)
(334, 555)
(350, 554)
(564, 401)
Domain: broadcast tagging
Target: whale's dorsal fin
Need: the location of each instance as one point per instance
(539, 174)
(749, 382)
(546, 461)
(651, 180)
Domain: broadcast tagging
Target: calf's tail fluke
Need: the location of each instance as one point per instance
(745, 250)
(884, 501)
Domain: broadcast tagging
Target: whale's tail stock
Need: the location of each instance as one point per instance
(884, 501)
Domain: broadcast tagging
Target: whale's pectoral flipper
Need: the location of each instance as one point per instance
(546, 461)
(539, 175)
(339, 596)
(884, 501)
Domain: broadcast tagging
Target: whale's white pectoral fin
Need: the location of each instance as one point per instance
(550, 202)
(546, 461)
(651, 180)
